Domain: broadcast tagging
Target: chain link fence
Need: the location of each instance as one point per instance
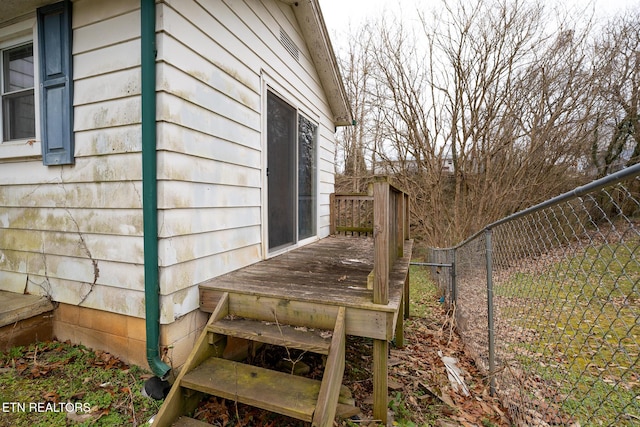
(547, 301)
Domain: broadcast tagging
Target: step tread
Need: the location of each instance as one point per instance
(270, 390)
(313, 340)
(190, 422)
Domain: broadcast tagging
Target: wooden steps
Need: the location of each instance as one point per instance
(255, 386)
(206, 372)
(313, 340)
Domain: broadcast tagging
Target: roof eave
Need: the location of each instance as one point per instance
(315, 32)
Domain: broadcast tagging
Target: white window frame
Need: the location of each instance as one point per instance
(15, 35)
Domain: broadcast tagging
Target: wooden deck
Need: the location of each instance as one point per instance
(330, 272)
(347, 285)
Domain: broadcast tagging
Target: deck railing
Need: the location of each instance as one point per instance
(352, 213)
(382, 212)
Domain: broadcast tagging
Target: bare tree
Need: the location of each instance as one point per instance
(616, 141)
(356, 140)
(407, 146)
(503, 90)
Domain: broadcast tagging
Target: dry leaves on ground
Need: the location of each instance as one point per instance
(418, 376)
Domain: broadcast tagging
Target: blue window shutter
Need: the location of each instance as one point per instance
(56, 83)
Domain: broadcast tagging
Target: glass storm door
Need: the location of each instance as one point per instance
(307, 132)
(281, 150)
(291, 174)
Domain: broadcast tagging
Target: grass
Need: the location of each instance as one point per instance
(39, 384)
(398, 405)
(423, 293)
(583, 315)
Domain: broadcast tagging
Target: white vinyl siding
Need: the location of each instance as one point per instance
(58, 223)
(76, 233)
(212, 56)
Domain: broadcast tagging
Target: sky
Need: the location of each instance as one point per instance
(339, 14)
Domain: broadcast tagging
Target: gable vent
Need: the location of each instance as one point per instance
(289, 44)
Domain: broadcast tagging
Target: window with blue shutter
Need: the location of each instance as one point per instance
(56, 83)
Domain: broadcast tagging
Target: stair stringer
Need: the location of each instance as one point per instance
(332, 378)
(178, 402)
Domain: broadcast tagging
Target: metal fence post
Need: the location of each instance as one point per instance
(454, 292)
(490, 322)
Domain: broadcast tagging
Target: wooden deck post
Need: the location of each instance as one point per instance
(332, 213)
(399, 225)
(407, 234)
(381, 211)
(380, 380)
(381, 242)
(403, 219)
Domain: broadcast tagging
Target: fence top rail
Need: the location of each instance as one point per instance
(598, 184)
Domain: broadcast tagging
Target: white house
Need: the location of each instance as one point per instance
(144, 153)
